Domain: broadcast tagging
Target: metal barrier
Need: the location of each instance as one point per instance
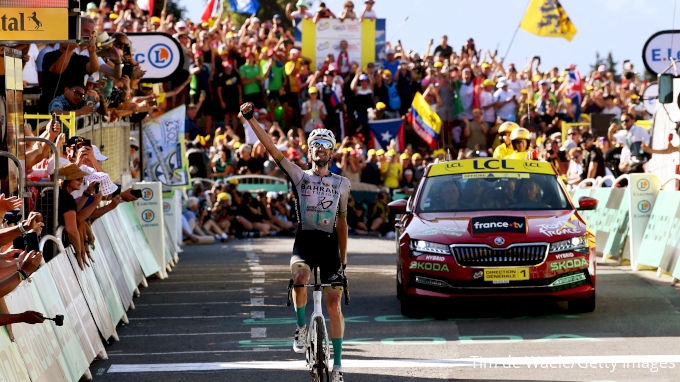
(67, 120)
(42, 205)
(22, 173)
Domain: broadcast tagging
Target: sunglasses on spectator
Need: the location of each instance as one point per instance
(321, 143)
(570, 134)
(79, 94)
(626, 120)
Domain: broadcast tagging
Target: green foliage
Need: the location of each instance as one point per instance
(268, 8)
(173, 7)
(608, 62)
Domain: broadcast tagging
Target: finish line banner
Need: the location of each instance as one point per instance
(165, 160)
(323, 38)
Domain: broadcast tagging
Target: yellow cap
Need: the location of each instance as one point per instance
(370, 152)
(488, 82)
(313, 90)
(560, 79)
(155, 19)
(113, 16)
(524, 91)
(220, 137)
(508, 127)
(485, 65)
(589, 87)
(529, 102)
(537, 78)
(567, 100)
(391, 153)
(380, 106)
(520, 133)
(380, 152)
(416, 156)
(387, 71)
(438, 64)
(222, 196)
(634, 96)
(237, 145)
(233, 181)
(404, 156)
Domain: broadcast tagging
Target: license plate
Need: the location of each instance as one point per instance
(497, 274)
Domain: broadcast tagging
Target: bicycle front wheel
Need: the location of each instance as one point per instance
(320, 352)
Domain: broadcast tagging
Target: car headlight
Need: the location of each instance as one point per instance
(429, 247)
(572, 244)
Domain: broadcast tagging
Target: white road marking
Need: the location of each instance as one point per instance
(198, 291)
(257, 269)
(189, 352)
(182, 318)
(258, 274)
(183, 334)
(574, 361)
(257, 302)
(258, 332)
(258, 281)
(257, 290)
(195, 303)
(257, 314)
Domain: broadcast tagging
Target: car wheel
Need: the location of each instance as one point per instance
(411, 308)
(400, 286)
(582, 305)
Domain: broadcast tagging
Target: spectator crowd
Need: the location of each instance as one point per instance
(472, 90)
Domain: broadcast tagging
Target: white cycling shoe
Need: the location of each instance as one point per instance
(300, 343)
(336, 376)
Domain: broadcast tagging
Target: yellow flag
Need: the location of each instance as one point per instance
(548, 18)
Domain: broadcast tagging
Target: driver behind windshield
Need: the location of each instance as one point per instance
(528, 191)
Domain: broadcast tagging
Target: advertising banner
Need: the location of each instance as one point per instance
(165, 160)
(158, 53)
(137, 242)
(12, 367)
(150, 213)
(75, 306)
(323, 38)
(659, 49)
(643, 191)
(596, 218)
(34, 24)
(46, 289)
(614, 223)
(172, 210)
(44, 360)
(101, 271)
(659, 239)
(94, 297)
(123, 278)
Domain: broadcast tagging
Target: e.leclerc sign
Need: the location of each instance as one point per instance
(158, 53)
(657, 52)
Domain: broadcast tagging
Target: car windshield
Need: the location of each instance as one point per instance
(492, 191)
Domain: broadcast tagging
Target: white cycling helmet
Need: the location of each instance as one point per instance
(321, 134)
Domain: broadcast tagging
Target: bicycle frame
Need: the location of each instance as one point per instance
(312, 362)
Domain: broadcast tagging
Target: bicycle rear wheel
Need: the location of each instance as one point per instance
(321, 350)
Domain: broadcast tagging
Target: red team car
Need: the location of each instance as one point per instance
(493, 227)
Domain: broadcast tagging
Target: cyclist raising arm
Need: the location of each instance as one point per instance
(321, 238)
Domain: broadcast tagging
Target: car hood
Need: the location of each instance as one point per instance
(521, 227)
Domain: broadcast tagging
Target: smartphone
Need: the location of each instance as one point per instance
(431, 41)
(30, 242)
(116, 193)
(97, 187)
(87, 142)
(136, 193)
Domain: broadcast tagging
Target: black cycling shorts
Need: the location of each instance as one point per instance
(317, 249)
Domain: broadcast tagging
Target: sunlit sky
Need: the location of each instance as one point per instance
(619, 26)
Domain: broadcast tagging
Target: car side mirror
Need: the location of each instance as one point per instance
(399, 206)
(586, 203)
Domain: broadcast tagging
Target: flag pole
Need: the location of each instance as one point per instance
(516, 30)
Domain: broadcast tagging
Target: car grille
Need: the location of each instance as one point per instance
(483, 256)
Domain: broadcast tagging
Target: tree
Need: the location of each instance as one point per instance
(598, 61)
(173, 7)
(611, 67)
(267, 10)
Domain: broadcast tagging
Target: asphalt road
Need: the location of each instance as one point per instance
(221, 316)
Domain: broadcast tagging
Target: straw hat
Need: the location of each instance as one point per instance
(72, 172)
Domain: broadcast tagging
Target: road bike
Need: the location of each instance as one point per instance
(318, 353)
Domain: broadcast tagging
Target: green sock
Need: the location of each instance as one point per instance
(337, 351)
(300, 311)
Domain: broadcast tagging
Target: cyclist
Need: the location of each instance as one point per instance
(520, 139)
(321, 238)
(505, 148)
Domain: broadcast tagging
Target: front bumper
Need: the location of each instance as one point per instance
(572, 285)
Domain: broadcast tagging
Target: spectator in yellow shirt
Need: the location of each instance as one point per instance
(391, 170)
(505, 149)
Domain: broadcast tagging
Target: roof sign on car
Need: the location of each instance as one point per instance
(491, 165)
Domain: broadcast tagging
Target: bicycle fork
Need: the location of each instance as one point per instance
(317, 319)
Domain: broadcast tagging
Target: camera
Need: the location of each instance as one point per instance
(13, 217)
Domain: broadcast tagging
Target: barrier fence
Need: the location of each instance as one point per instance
(93, 301)
(639, 224)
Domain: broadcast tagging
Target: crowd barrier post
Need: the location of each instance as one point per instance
(149, 211)
(12, 368)
(614, 225)
(21, 175)
(643, 191)
(136, 240)
(54, 207)
(137, 263)
(122, 277)
(172, 212)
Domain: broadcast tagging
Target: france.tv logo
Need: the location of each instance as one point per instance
(160, 56)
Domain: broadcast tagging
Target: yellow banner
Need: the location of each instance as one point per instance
(33, 24)
(467, 166)
(548, 18)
